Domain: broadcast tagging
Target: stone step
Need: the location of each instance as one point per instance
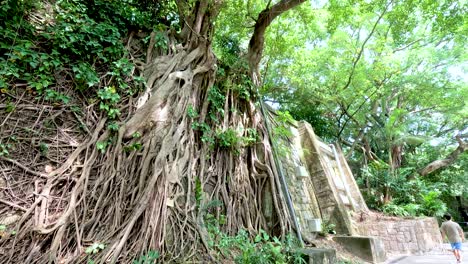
(319, 255)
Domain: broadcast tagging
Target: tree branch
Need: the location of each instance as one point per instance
(257, 40)
(361, 50)
(451, 158)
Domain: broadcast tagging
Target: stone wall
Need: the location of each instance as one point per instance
(358, 202)
(300, 186)
(331, 187)
(404, 235)
(321, 185)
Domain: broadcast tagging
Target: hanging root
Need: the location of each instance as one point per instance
(152, 187)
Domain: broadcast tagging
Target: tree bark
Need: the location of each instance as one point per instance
(156, 196)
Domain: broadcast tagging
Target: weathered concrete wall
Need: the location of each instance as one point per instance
(404, 235)
(321, 185)
(335, 188)
(370, 249)
(319, 255)
(300, 186)
(358, 201)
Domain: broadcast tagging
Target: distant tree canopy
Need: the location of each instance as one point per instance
(386, 79)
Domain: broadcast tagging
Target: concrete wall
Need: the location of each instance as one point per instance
(326, 189)
(334, 186)
(359, 203)
(300, 186)
(404, 235)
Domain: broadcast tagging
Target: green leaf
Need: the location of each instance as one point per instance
(113, 126)
(94, 248)
(101, 146)
(258, 238)
(136, 135)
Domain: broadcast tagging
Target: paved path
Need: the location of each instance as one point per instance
(437, 257)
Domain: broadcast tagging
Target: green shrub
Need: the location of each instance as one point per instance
(328, 228)
(394, 209)
(245, 249)
(262, 249)
(432, 205)
(81, 42)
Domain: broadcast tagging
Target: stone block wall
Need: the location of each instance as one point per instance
(404, 235)
(323, 176)
(300, 188)
(356, 196)
(321, 185)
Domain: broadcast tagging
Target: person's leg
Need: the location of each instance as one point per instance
(457, 251)
(457, 254)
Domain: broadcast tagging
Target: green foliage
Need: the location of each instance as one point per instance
(283, 122)
(133, 147)
(385, 77)
(85, 75)
(233, 140)
(44, 148)
(406, 210)
(312, 114)
(415, 197)
(243, 87)
(412, 209)
(216, 99)
(228, 139)
(228, 49)
(207, 136)
(251, 137)
(102, 145)
(109, 98)
(149, 258)
(432, 205)
(54, 96)
(160, 41)
(281, 131)
(113, 126)
(4, 149)
(79, 40)
(191, 112)
(10, 107)
(428, 203)
(198, 191)
(94, 248)
(328, 228)
(261, 249)
(393, 209)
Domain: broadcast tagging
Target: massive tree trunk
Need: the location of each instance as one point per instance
(133, 200)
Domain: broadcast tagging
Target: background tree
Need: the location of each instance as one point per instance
(382, 78)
